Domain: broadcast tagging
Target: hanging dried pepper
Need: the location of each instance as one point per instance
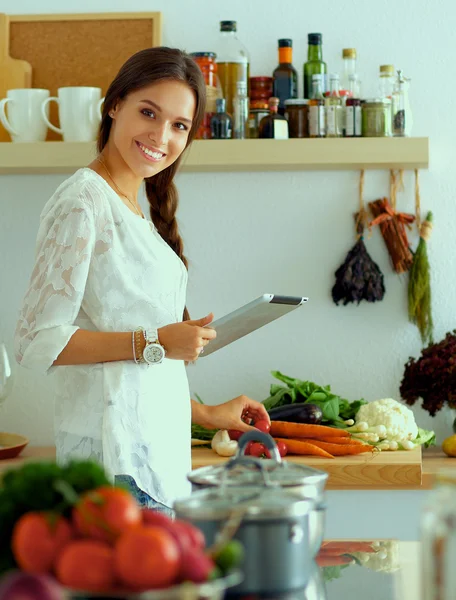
(392, 226)
(359, 277)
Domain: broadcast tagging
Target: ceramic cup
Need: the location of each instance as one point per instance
(24, 121)
(79, 113)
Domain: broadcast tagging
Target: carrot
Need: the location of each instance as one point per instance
(346, 547)
(303, 448)
(304, 430)
(339, 449)
(332, 561)
(337, 440)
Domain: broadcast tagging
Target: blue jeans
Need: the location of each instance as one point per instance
(143, 499)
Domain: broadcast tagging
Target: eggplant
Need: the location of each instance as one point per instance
(297, 413)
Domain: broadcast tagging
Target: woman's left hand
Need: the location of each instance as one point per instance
(236, 414)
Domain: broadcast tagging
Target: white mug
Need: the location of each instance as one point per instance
(25, 121)
(79, 113)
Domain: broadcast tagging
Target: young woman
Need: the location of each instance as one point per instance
(105, 309)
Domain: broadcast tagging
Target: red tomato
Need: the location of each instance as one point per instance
(257, 450)
(282, 448)
(147, 557)
(247, 448)
(106, 512)
(86, 565)
(37, 539)
(234, 434)
(263, 425)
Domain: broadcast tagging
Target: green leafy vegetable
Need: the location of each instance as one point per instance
(331, 573)
(425, 438)
(336, 410)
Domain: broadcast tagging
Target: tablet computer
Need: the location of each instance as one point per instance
(249, 317)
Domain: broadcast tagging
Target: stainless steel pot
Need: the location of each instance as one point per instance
(299, 479)
(273, 527)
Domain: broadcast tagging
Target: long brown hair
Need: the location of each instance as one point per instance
(142, 69)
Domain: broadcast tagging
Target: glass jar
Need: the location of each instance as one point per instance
(376, 117)
(208, 66)
(260, 91)
(296, 112)
(438, 539)
(255, 117)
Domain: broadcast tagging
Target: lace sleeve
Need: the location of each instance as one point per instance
(65, 243)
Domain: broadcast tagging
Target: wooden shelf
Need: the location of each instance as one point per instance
(237, 155)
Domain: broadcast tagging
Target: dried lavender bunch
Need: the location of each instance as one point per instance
(433, 376)
(358, 278)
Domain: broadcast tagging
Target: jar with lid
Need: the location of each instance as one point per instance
(438, 539)
(208, 66)
(296, 112)
(376, 117)
(260, 91)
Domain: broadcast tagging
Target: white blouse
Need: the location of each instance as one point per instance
(100, 267)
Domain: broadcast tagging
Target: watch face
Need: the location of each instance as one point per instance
(153, 353)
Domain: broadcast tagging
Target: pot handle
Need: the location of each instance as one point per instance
(263, 438)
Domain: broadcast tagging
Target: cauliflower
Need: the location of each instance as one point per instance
(386, 557)
(398, 420)
(394, 417)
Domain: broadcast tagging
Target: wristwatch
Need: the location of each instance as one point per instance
(154, 352)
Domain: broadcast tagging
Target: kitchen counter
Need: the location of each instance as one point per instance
(385, 471)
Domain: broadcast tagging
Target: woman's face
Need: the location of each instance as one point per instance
(151, 126)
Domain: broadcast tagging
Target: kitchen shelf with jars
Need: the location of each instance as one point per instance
(251, 123)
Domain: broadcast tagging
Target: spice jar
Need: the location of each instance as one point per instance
(260, 91)
(296, 112)
(255, 117)
(376, 117)
(208, 66)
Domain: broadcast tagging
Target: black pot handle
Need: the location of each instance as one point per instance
(263, 438)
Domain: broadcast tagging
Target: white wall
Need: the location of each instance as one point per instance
(286, 233)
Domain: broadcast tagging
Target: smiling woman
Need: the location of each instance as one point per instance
(107, 296)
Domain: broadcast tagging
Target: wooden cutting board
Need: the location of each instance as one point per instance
(14, 73)
(382, 470)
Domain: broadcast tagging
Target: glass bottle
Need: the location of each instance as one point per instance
(386, 81)
(314, 64)
(317, 128)
(285, 76)
(402, 115)
(438, 539)
(274, 125)
(221, 122)
(207, 64)
(333, 108)
(241, 111)
(232, 62)
(349, 58)
(353, 115)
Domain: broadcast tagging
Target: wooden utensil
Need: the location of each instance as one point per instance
(14, 73)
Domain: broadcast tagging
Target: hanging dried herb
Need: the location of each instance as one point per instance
(359, 277)
(419, 290)
(433, 376)
(392, 226)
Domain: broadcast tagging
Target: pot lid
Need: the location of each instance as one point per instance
(254, 503)
(245, 473)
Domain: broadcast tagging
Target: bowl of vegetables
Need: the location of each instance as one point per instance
(74, 535)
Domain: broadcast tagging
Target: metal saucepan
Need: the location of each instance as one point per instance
(291, 477)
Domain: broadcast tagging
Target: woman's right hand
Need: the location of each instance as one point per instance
(186, 340)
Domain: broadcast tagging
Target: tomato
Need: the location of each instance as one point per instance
(147, 557)
(282, 448)
(234, 434)
(247, 448)
(263, 425)
(194, 535)
(104, 513)
(155, 517)
(37, 539)
(86, 565)
(257, 450)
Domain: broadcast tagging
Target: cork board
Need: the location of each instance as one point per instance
(79, 49)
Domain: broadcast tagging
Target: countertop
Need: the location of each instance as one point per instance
(377, 474)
